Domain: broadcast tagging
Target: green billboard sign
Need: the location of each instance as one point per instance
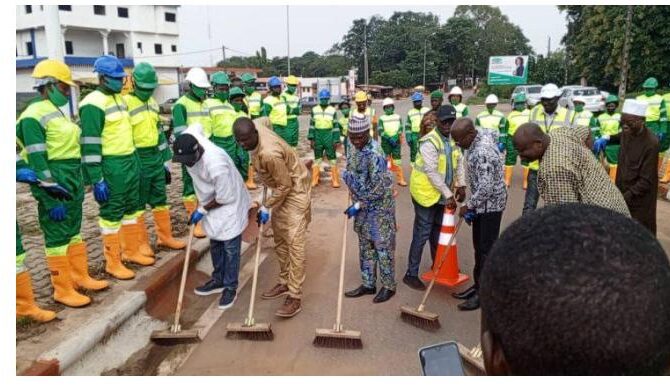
(507, 70)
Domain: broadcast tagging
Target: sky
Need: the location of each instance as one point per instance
(244, 29)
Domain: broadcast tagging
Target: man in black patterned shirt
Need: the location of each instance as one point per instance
(487, 202)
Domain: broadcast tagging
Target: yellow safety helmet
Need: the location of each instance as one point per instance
(361, 96)
(292, 80)
(55, 69)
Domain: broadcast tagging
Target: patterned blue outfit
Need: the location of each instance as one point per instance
(371, 183)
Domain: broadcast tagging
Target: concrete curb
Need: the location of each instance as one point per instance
(69, 351)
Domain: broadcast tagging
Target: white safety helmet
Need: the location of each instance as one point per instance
(491, 99)
(387, 102)
(198, 77)
(456, 90)
(549, 91)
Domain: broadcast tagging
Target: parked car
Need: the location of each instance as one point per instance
(593, 99)
(532, 92)
(307, 103)
(166, 107)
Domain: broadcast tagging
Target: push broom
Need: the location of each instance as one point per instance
(338, 337)
(418, 316)
(249, 329)
(175, 333)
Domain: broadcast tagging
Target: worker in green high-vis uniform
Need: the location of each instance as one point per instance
(583, 117)
(112, 166)
(155, 155)
(237, 97)
(187, 110)
(254, 99)
(657, 115)
(342, 125)
(390, 127)
(517, 117)
(50, 144)
(456, 99)
(223, 115)
(609, 124)
(413, 124)
(322, 132)
(276, 109)
(293, 102)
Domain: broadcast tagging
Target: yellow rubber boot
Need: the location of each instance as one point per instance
(613, 172)
(145, 245)
(526, 170)
(76, 254)
(25, 300)
(508, 175)
(64, 291)
(316, 172)
(190, 206)
(251, 185)
(335, 176)
(666, 177)
(400, 175)
(112, 252)
(130, 245)
(164, 230)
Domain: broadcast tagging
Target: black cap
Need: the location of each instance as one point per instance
(184, 149)
(446, 112)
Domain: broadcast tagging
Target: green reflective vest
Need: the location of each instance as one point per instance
(60, 133)
(344, 125)
(516, 119)
(196, 113)
(490, 120)
(254, 103)
(323, 119)
(582, 118)
(420, 187)
(562, 117)
(610, 124)
(292, 101)
(390, 124)
(414, 118)
(278, 115)
(222, 115)
(117, 132)
(144, 120)
(460, 108)
(654, 106)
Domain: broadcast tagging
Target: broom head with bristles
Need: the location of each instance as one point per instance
(254, 332)
(171, 337)
(345, 339)
(422, 319)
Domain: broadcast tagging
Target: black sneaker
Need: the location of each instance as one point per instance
(209, 288)
(227, 299)
(414, 282)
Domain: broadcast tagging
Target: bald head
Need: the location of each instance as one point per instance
(463, 132)
(246, 134)
(530, 141)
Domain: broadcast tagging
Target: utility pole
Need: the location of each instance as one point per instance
(365, 52)
(626, 49)
(288, 43)
(548, 46)
(425, 46)
(567, 64)
(223, 49)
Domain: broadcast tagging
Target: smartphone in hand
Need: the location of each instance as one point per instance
(441, 360)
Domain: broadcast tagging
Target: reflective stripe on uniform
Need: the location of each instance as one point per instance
(91, 159)
(36, 148)
(48, 117)
(91, 140)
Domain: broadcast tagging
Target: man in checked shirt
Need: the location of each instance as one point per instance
(569, 172)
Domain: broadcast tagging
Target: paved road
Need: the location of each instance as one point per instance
(389, 345)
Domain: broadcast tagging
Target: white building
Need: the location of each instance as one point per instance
(79, 34)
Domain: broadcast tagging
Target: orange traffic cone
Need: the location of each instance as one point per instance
(448, 274)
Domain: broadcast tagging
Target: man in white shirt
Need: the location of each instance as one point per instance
(223, 206)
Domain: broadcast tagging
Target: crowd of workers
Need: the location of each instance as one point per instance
(227, 136)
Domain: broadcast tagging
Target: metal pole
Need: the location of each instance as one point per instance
(425, 45)
(626, 48)
(365, 51)
(223, 49)
(288, 42)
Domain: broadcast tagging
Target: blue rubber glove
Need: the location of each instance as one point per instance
(57, 213)
(26, 175)
(353, 210)
(196, 216)
(263, 215)
(55, 190)
(101, 191)
(501, 147)
(599, 145)
(469, 216)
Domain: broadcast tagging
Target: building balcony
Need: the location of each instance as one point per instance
(69, 60)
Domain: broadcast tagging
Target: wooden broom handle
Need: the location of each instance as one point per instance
(343, 254)
(184, 273)
(254, 281)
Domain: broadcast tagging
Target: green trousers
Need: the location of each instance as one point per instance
(68, 174)
(413, 141)
(324, 143)
(389, 150)
(656, 128)
(238, 154)
(122, 174)
(292, 132)
(20, 252)
(188, 191)
(612, 154)
(152, 178)
(510, 152)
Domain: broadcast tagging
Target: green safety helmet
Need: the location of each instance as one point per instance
(611, 98)
(220, 78)
(650, 83)
(520, 98)
(247, 77)
(437, 94)
(235, 91)
(144, 76)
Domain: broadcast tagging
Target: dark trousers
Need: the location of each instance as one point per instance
(226, 261)
(485, 231)
(427, 225)
(532, 193)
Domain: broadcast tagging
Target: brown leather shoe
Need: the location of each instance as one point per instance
(277, 291)
(290, 308)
